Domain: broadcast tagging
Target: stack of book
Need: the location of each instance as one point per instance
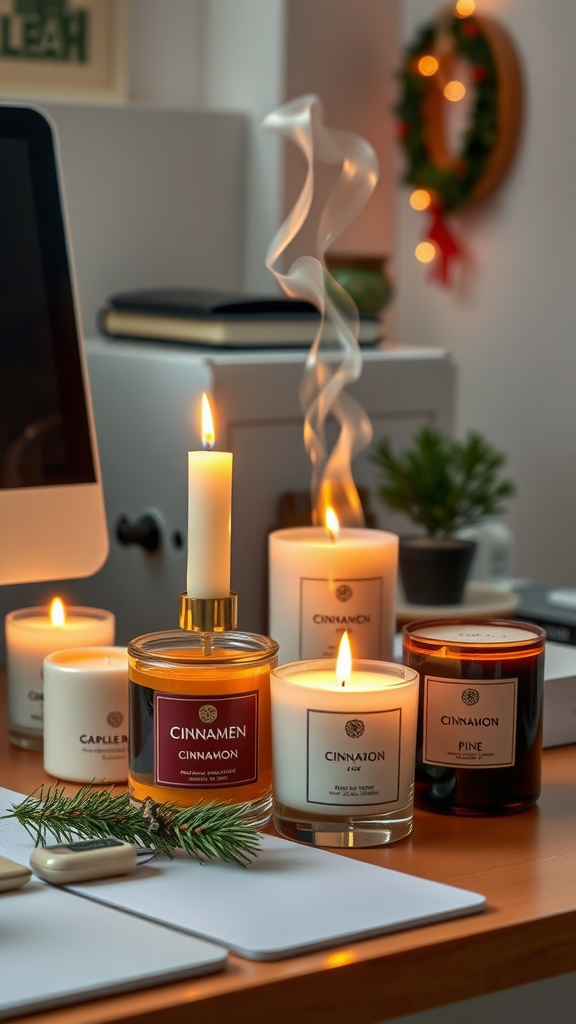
(552, 608)
(220, 319)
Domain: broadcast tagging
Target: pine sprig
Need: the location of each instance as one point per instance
(204, 832)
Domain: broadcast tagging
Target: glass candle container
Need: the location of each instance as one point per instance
(86, 714)
(30, 637)
(344, 754)
(200, 719)
(479, 746)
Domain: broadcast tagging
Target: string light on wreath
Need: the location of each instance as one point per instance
(454, 91)
(464, 8)
(420, 199)
(425, 252)
(428, 65)
(444, 181)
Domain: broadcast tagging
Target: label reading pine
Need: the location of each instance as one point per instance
(205, 742)
(353, 759)
(469, 724)
(328, 607)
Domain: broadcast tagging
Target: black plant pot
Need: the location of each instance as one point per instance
(434, 570)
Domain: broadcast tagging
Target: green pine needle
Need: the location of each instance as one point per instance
(204, 832)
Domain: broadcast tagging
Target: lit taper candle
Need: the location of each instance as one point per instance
(209, 515)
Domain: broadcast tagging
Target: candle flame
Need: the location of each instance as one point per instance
(57, 612)
(208, 435)
(344, 662)
(331, 523)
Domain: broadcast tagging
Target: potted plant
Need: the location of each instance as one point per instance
(442, 485)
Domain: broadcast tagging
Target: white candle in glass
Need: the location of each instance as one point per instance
(31, 634)
(343, 750)
(86, 714)
(209, 516)
(322, 583)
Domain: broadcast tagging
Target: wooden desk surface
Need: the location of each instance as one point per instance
(524, 864)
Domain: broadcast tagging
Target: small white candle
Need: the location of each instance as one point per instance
(209, 516)
(322, 584)
(31, 634)
(343, 750)
(86, 714)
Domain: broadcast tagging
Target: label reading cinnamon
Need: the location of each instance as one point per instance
(205, 742)
(329, 607)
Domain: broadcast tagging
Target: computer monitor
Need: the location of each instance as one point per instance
(52, 519)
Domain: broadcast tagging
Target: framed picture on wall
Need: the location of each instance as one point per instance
(62, 48)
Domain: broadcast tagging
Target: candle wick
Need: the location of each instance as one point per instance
(343, 682)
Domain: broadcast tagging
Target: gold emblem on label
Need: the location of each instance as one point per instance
(207, 713)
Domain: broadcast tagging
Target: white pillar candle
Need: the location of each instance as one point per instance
(86, 714)
(320, 587)
(343, 750)
(30, 636)
(209, 517)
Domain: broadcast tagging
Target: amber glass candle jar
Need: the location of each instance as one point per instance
(200, 719)
(479, 738)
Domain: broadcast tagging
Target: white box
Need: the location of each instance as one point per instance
(559, 695)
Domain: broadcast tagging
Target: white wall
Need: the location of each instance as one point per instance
(219, 55)
(244, 68)
(514, 335)
(348, 62)
(165, 51)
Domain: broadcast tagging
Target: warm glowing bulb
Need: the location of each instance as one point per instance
(331, 523)
(425, 252)
(208, 436)
(454, 91)
(344, 662)
(420, 199)
(464, 8)
(428, 65)
(57, 613)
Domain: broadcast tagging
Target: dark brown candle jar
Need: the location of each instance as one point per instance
(479, 740)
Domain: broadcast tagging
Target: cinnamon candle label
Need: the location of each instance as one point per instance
(353, 759)
(205, 742)
(328, 607)
(469, 723)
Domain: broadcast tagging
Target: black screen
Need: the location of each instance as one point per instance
(44, 433)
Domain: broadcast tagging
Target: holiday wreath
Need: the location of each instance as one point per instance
(457, 180)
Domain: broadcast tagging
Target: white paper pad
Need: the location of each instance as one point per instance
(290, 900)
(56, 949)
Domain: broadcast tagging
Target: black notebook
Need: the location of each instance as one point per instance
(216, 318)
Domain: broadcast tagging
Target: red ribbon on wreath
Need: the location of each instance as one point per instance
(446, 245)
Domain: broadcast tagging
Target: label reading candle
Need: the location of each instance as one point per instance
(328, 607)
(353, 759)
(206, 742)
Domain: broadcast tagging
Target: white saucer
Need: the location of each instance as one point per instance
(481, 601)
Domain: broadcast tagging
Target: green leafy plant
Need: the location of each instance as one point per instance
(204, 832)
(442, 484)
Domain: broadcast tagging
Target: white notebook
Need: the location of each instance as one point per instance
(292, 899)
